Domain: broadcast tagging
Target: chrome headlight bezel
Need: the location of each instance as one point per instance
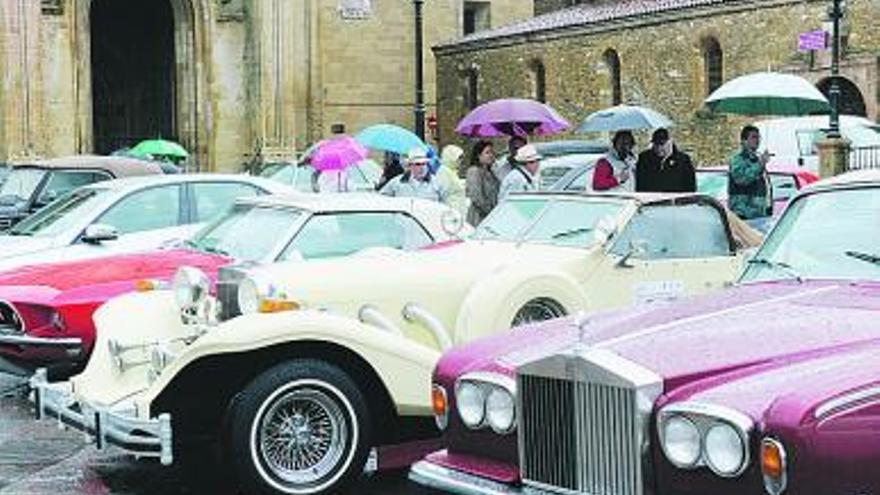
(706, 417)
(257, 294)
(673, 453)
(711, 448)
(476, 389)
(190, 287)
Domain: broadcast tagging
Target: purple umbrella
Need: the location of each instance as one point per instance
(512, 117)
(338, 153)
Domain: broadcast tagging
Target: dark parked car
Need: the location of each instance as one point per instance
(30, 186)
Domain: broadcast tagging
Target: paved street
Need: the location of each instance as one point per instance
(40, 459)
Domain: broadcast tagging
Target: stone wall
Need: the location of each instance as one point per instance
(661, 65)
(545, 6)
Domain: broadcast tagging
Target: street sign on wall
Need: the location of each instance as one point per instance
(812, 40)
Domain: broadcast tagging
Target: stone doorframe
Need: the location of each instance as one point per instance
(193, 118)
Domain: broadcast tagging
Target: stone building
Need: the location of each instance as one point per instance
(233, 80)
(667, 54)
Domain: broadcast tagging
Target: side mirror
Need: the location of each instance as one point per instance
(98, 232)
(637, 248)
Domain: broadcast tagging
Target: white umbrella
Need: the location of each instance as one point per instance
(768, 93)
(624, 117)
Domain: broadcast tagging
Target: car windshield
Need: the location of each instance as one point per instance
(21, 184)
(823, 235)
(62, 214)
(248, 232)
(563, 222)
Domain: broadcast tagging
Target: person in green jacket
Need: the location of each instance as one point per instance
(749, 193)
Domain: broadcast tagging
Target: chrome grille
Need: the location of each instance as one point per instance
(227, 291)
(10, 322)
(581, 429)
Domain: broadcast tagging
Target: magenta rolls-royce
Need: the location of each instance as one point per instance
(769, 387)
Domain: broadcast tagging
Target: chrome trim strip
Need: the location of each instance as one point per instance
(845, 400)
(428, 474)
(498, 379)
(26, 340)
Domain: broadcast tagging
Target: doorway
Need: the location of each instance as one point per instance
(133, 72)
(851, 101)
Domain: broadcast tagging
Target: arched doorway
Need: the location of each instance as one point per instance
(851, 100)
(133, 72)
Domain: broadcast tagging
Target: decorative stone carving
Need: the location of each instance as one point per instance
(354, 9)
(230, 10)
(52, 7)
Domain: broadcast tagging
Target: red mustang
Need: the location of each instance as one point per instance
(46, 310)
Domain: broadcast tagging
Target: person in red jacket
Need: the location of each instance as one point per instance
(616, 170)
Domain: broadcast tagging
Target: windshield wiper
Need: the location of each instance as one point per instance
(572, 232)
(215, 250)
(490, 230)
(779, 266)
(870, 258)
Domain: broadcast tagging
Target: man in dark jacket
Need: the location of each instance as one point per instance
(664, 168)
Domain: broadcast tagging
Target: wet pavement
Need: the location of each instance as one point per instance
(41, 459)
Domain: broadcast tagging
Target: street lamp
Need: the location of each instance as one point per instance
(835, 13)
(420, 82)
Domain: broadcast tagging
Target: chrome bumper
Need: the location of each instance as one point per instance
(140, 437)
(449, 480)
(70, 343)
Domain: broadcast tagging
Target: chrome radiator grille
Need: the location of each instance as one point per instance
(227, 291)
(579, 436)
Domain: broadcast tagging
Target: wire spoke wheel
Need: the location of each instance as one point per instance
(303, 436)
(536, 310)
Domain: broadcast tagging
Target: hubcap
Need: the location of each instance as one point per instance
(537, 310)
(303, 436)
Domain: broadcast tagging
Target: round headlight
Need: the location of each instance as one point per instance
(471, 403)
(681, 441)
(725, 450)
(190, 286)
(500, 410)
(248, 296)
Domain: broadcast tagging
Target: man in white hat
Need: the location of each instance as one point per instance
(416, 181)
(524, 174)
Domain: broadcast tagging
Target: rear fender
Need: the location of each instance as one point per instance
(492, 304)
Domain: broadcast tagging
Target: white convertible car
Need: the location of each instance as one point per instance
(125, 215)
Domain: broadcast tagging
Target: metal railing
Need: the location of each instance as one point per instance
(864, 157)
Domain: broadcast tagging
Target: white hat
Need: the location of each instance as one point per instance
(527, 153)
(417, 155)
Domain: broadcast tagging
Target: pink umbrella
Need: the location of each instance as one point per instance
(512, 117)
(338, 153)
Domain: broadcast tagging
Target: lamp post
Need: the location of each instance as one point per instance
(420, 82)
(836, 13)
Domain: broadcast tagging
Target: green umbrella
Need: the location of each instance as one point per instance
(159, 147)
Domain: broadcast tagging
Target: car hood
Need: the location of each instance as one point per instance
(692, 340)
(13, 245)
(158, 264)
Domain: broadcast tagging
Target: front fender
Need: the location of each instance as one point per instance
(491, 305)
(404, 366)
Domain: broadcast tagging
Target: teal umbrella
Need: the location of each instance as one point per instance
(159, 147)
(388, 137)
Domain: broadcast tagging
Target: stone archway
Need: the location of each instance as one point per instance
(191, 116)
(851, 100)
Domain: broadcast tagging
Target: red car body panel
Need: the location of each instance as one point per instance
(74, 290)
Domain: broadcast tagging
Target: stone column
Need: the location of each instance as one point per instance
(833, 156)
(277, 28)
(20, 66)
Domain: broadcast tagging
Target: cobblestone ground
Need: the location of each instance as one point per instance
(41, 459)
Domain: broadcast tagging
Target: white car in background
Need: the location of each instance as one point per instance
(792, 140)
(125, 215)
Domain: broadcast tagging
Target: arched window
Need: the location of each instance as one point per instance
(612, 62)
(713, 64)
(538, 81)
(471, 87)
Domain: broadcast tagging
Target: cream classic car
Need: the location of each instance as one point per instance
(331, 358)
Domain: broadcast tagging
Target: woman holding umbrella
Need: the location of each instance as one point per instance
(416, 181)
